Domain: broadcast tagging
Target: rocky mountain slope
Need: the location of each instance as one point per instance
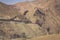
(7, 12)
(44, 14)
(28, 20)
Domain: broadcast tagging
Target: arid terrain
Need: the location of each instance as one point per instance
(35, 20)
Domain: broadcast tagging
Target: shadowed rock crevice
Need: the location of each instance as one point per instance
(41, 17)
(26, 12)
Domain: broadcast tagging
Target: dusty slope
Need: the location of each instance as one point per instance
(48, 37)
(38, 18)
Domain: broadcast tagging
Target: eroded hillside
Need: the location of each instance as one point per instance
(29, 20)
